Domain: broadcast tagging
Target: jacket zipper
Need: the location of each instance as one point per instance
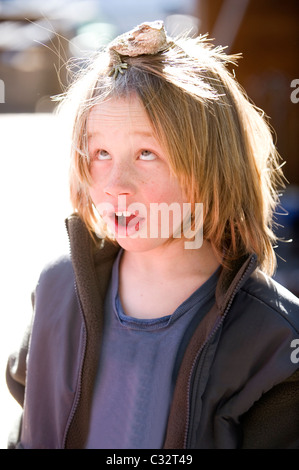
(210, 336)
(214, 330)
(79, 387)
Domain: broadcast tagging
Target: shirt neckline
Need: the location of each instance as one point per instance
(199, 296)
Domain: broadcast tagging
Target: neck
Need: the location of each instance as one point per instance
(172, 260)
(154, 283)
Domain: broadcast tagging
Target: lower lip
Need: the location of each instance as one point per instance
(131, 228)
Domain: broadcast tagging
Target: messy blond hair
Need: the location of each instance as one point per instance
(220, 146)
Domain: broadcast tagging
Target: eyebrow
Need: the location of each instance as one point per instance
(92, 134)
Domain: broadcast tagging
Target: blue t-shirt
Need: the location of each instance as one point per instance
(137, 370)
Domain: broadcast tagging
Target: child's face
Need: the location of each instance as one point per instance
(130, 172)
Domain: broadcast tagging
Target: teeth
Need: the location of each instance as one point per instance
(123, 214)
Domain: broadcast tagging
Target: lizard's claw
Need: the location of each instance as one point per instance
(118, 68)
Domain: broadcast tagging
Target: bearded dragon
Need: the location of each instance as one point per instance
(147, 38)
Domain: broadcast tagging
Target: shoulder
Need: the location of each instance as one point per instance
(271, 298)
(257, 336)
(56, 270)
(263, 320)
(56, 306)
(55, 280)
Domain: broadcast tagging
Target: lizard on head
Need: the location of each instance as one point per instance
(147, 38)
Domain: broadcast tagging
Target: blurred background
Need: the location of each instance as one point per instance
(36, 40)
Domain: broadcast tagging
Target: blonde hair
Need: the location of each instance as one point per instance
(219, 144)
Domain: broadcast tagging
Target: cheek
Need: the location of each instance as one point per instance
(95, 173)
(96, 191)
(167, 192)
(94, 194)
(97, 183)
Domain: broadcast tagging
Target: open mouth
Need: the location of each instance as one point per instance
(126, 223)
(126, 218)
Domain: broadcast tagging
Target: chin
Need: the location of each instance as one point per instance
(139, 245)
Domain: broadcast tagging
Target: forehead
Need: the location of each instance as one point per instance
(118, 113)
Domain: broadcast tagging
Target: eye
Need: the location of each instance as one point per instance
(147, 155)
(102, 155)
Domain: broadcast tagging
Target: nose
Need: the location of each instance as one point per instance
(120, 181)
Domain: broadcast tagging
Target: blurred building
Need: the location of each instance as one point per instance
(267, 35)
